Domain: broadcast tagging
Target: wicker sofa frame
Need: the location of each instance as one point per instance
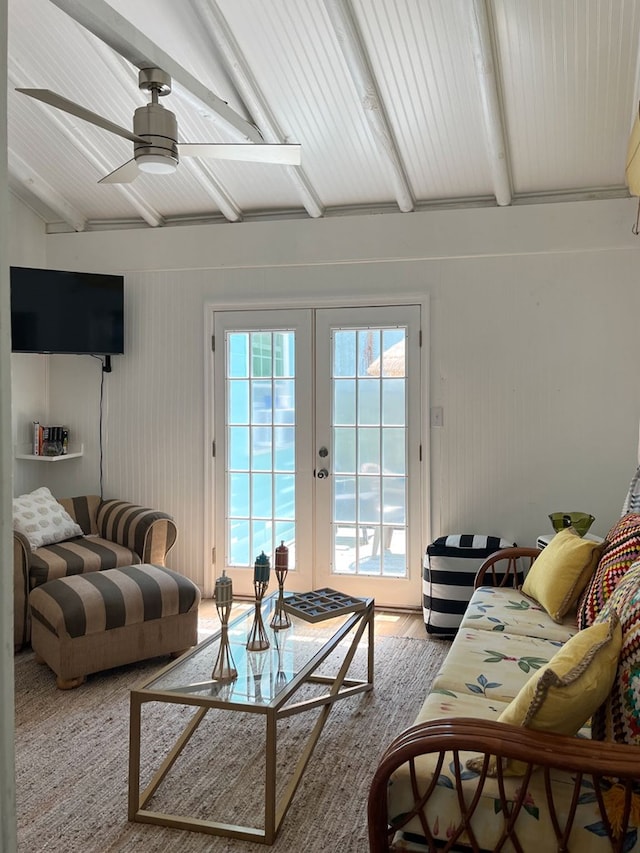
(116, 533)
(598, 762)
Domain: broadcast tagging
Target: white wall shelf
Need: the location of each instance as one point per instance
(73, 454)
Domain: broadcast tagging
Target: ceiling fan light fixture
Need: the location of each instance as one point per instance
(155, 134)
(156, 164)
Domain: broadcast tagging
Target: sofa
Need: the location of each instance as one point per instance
(55, 538)
(529, 737)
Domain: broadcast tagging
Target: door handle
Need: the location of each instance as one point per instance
(322, 474)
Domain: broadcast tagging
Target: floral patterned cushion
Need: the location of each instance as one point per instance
(535, 829)
(618, 718)
(508, 611)
(520, 670)
(503, 640)
(495, 666)
(622, 549)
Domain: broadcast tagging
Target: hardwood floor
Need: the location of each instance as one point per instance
(400, 624)
(387, 623)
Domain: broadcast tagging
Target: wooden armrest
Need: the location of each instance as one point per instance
(602, 762)
(501, 568)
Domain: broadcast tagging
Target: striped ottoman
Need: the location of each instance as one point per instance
(449, 572)
(87, 623)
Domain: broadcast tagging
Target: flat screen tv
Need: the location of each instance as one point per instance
(53, 311)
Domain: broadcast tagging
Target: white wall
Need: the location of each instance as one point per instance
(532, 352)
(26, 235)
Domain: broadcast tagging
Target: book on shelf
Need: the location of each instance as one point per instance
(50, 440)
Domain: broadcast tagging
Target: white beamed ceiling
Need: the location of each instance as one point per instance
(389, 107)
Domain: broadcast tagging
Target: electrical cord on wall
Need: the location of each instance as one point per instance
(104, 370)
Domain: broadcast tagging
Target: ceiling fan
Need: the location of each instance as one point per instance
(155, 134)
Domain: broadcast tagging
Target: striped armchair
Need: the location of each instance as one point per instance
(116, 533)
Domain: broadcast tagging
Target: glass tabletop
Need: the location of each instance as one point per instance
(263, 676)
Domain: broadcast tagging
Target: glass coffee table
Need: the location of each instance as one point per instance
(282, 681)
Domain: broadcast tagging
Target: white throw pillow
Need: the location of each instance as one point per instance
(40, 518)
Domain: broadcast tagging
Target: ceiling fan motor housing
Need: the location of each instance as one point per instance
(160, 127)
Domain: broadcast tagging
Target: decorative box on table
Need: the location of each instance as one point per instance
(322, 604)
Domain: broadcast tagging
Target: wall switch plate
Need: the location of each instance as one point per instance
(437, 416)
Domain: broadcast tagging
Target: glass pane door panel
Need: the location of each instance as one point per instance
(364, 419)
(284, 449)
(345, 450)
(260, 503)
(393, 402)
(262, 405)
(238, 444)
(239, 540)
(344, 402)
(374, 540)
(238, 402)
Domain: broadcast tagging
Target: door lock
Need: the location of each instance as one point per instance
(323, 452)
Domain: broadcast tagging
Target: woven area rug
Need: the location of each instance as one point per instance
(72, 754)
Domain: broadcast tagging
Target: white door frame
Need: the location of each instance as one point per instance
(347, 300)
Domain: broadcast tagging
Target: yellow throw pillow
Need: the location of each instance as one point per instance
(561, 572)
(563, 694)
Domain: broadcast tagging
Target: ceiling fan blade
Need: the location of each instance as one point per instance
(123, 174)
(55, 100)
(255, 152)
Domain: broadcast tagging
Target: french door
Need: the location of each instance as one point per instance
(316, 421)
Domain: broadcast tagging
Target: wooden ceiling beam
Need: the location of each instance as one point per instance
(492, 113)
(44, 192)
(249, 90)
(111, 28)
(357, 61)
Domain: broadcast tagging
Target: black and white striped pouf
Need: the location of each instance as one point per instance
(449, 569)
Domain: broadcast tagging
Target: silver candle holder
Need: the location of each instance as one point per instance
(224, 668)
(257, 640)
(280, 619)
